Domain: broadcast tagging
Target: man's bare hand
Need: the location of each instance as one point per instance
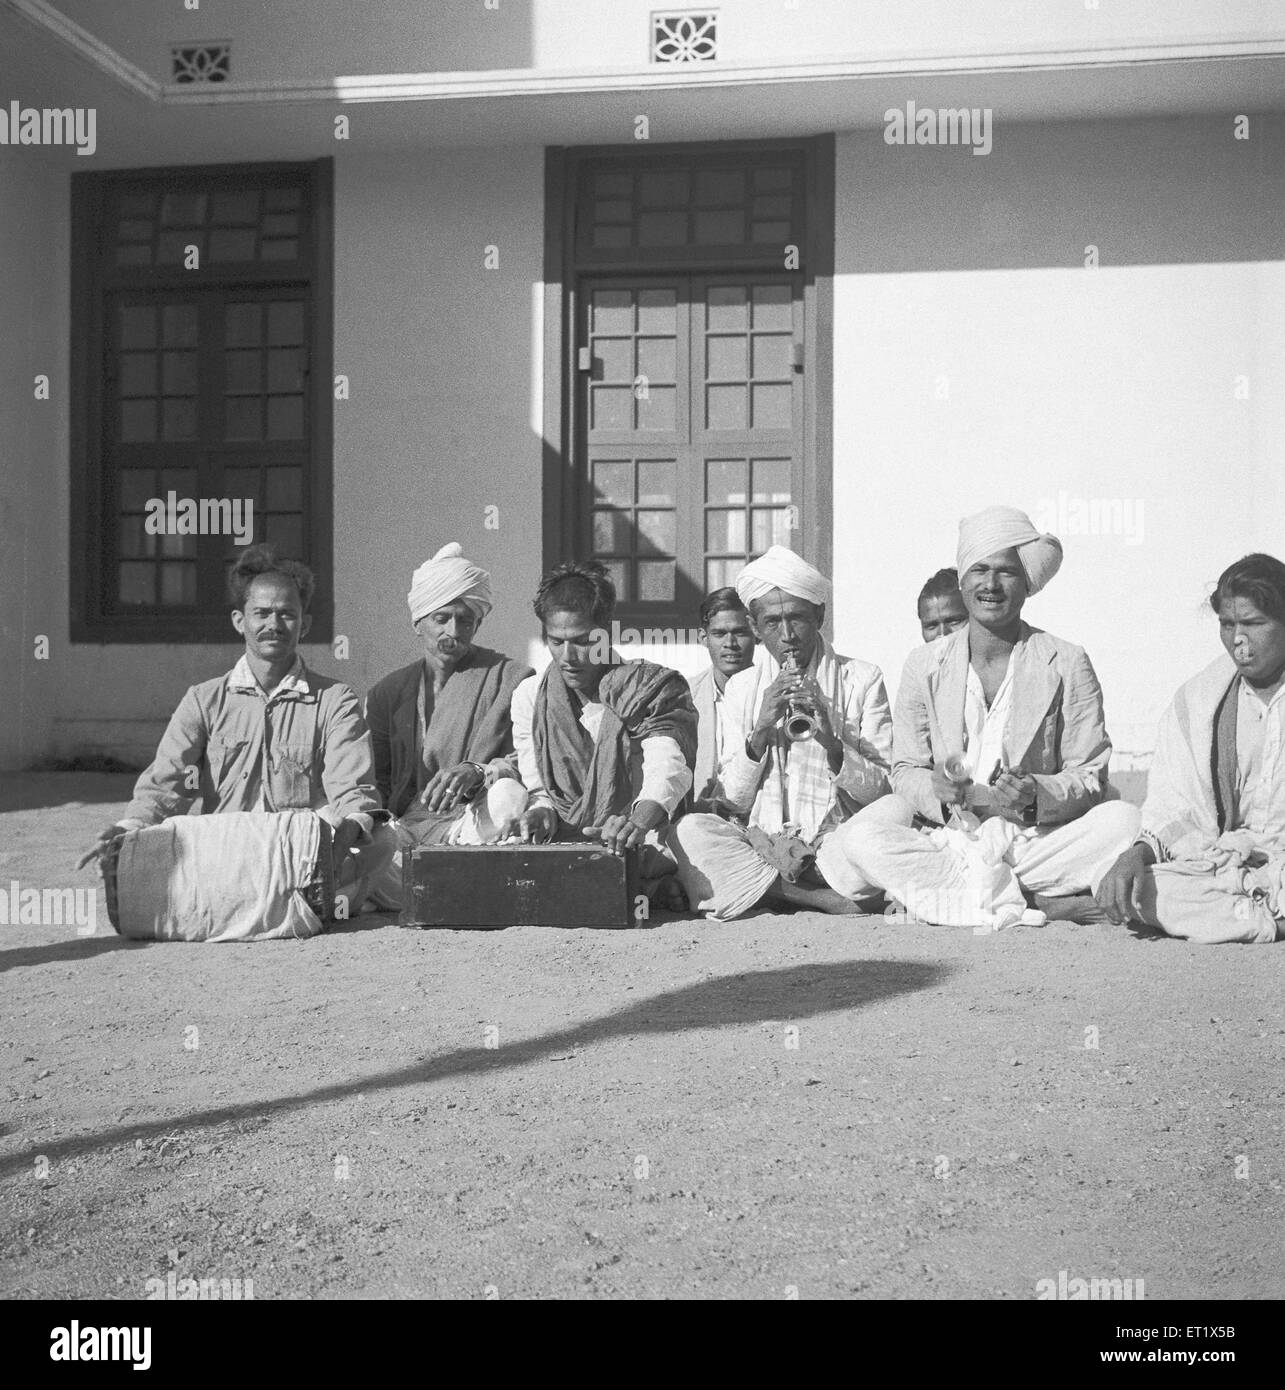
(620, 833)
(947, 792)
(1012, 793)
(106, 838)
(452, 786)
(1119, 894)
(538, 825)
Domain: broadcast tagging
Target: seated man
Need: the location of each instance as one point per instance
(440, 728)
(941, 606)
(792, 792)
(726, 633)
(1210, 862)
(1022, 712)
(605, 747)
(270, 735)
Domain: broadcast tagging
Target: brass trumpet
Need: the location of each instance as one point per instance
(799, 725)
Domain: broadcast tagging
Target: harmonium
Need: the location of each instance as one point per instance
(490, 886)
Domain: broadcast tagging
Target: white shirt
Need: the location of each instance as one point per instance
(1260, 774)
(657, 769)
(984, 731)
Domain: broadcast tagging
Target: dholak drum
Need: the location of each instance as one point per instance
(243, 876)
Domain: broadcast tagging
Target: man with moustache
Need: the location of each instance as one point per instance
(1023, 710)
(440, 728)
(1209, 863)
(790, 794)
(270, 735)
(728, 637)
(604, 747)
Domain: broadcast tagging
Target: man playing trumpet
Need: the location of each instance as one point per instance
(811, 745)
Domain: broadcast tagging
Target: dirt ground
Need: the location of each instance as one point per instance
(645, 1122)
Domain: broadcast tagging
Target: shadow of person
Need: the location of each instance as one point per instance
(80, 948)
(787, 993)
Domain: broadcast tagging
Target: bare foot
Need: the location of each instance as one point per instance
(665, 893)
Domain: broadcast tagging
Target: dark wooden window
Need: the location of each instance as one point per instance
(687, 312)
(201, 354)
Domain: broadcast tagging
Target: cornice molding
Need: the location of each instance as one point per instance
(460, 86)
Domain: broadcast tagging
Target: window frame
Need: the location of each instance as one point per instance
(91, 290)
(564, 508)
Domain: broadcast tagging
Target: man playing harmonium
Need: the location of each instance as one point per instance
(726, 634)
(605, 747)
(1006, 721)
(1209, 863)
(440, 728)
(791, 791)
(271, 735)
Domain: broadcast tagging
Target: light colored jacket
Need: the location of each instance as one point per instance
(232, 748)
(1056, 731)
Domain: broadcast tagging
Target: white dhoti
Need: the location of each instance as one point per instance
(724, 876)
(922, 868)
(1212, 906)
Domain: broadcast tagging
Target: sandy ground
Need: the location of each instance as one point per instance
(787, 1105)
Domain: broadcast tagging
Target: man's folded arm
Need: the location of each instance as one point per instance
(666, 778)
(347, 769)
(867, 743)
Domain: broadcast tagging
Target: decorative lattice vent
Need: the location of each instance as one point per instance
(684, 36)
(200, 62)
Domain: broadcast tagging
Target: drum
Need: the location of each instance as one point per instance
(241, 876)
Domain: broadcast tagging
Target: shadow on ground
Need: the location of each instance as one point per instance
(57, 952)
(30, 791)
(787, 993)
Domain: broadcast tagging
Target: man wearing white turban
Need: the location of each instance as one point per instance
(440, 728)
(788, 794)
(1017, 714)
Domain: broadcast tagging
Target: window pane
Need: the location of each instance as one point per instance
(656, 481)
(283, 250)
(137, 422)
(772, 480)
(285, 323)
(244, 417)
(179, 325)
(725, 480)
(611, 533)
(137, 374)
(770, 233)
(285, 489)
(658, 359)
(613, 238)
(773, 305)
(139, 254)
(720, 186)
(725, 530)
(174, 546)
(726, 359)
(285, 417)
(656, 581)
(613, 185)
(137, 326)
(178, 584)
(664, 188)
(770, 180)
(771, 526)
(179, 417)
(720, 228)
(725, 407)
(613, 359)
(613, 481)
(611, 408)
(244, 370)
(662, 228)
(235, 209)
(172, 247)
(286, 532)
(656, 533)
(180, 373)
(285, 369)
(772, 356)
(278, 199)
(772, 407)
(658, 311)
(657, 407)
(612, 312)
(619, 572)
(137, 583)
(726, 310)
(231, 245)
(242, 483)
(137, 488)
(243, 325)
(720, 574)
(133, 540)
(180, 481)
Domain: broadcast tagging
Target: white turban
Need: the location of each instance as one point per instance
(1005, 528)
(446, 577)
(779, 568)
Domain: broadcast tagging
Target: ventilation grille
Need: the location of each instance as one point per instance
(684, 36)
(200, 62)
